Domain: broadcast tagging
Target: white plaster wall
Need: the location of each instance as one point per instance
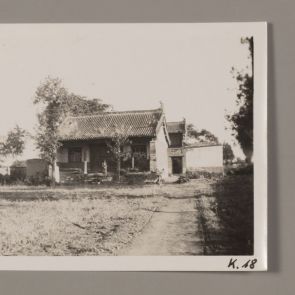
(162, 153)
(153, 155)
(202, 157)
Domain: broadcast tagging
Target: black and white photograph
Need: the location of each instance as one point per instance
(133, 146)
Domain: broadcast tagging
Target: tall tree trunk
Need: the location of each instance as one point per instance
(248, 154)
(52, 183)
(52, 177)
(118, 169)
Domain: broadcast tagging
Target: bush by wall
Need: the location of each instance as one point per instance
(196, 174)
(143, 177)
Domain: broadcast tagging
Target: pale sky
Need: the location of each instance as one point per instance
(131, 66)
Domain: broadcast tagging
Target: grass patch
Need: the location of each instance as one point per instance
(227, 216)
(87, 226)
(90, 220)
(101, 219)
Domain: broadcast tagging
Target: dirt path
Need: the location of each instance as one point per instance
(173, 230)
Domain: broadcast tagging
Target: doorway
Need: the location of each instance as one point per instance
(176, 165)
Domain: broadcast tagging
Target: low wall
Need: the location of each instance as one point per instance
(18, 172)
(209, 158)
(206, 169)
(36, 167)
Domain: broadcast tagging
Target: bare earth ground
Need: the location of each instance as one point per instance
(173, 230)
(169, 219)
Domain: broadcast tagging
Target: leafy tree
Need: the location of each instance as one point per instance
(242, 120)
(228, 154)
(56, 103)
(18, 163)
(240, 161)
(51, 94)
(14, 142)
(116, 145)
(76, 105)
(203, 135)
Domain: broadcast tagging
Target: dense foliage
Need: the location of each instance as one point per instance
(228, 154)
(56, 103)
(203, 135)
(14, 142)
(242, 120)
(118, 140)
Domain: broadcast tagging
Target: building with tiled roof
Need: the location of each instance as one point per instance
(176, 127)
(85, 141)
(153, 144)
(105, 125)
(177, 133)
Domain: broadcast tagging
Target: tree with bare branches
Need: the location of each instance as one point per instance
(119, 139)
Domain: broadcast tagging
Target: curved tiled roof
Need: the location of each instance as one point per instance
(105, 125)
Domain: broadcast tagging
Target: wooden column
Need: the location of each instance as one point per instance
(153, 156)
(56, 173)
(85, 167)
(132, 162)
(85, 157)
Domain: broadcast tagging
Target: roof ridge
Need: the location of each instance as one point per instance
(116, 112)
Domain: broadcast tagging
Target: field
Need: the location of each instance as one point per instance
(101, 220)
(76, 221)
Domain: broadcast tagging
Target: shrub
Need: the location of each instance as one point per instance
(240, 170)
(17, 174)
(4, 179)
(38, 179)
(235, 208)
(143, 177)
(11, 179)
(193, 174)
(182, 179)
(202, 174)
